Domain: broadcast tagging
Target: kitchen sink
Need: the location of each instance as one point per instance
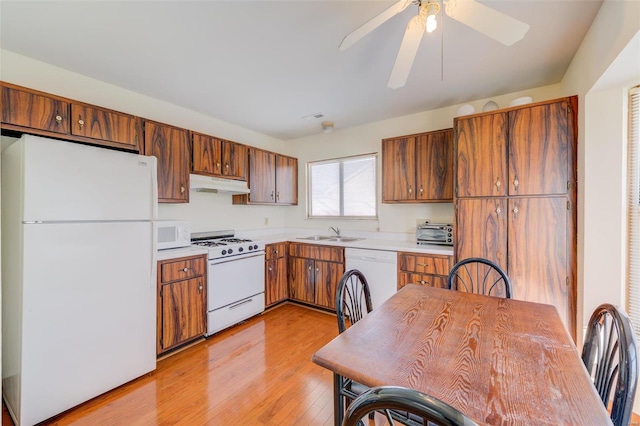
(344, 239)
(316, 237)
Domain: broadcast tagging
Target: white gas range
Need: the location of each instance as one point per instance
(235, 278)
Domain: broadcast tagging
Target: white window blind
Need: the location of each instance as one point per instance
(633, 216)
(343, 187)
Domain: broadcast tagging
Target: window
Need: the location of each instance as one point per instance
(633, 215)
(343, 187)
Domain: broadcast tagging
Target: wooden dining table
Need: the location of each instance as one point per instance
(499, 361)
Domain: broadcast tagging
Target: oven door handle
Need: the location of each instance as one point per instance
(234, 258)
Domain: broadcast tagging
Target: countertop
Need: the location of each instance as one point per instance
(364, 243)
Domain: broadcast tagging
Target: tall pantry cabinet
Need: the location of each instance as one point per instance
(515, 198)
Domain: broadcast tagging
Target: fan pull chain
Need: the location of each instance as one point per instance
(442, 47)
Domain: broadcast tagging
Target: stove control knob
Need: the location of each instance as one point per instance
(240, 249)
(230, 251)
(224, 252)
(252, 247)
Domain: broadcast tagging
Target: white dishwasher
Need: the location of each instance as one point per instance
(379, 267)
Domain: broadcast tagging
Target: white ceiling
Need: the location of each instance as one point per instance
(264, 65)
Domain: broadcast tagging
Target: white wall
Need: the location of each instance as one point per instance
(604, 67)
(206, 211)
(367, 139)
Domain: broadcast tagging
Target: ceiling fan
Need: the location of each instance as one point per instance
(490, 22)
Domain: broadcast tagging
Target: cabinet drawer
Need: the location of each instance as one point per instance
(437, 281)
(274, 251)
(317, 252)
(425, 263)
(182, 269)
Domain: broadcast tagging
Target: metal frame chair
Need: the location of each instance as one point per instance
(610, 356)
(424, 409)
(475, 278)
(352, 298)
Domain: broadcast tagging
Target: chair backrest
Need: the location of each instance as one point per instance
(610, 355)
(477, 275)
(353, 299)
(394, 398)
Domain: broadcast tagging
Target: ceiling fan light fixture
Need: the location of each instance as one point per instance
(327, 126)
(431, 10)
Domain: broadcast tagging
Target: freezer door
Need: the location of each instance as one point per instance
(89, 312)
(66, 181)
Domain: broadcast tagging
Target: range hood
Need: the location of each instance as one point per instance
(200, 183)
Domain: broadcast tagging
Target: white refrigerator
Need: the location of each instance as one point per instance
(78, 273)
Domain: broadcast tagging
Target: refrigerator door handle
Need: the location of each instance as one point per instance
(154, 188)
(154, 255)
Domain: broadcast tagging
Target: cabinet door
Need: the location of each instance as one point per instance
(481, 229)
(207, 155)
(262, 176)
(481, 155)
(434, 166)
(183, 311)
(398, 169)
(234, 160)
(171, 146)
(538, 251)
(286, 180)
(405, 278)
(27, 109)
(539, 143)
(277, 288)
(301, 279)
(328, 275)
(102, 124)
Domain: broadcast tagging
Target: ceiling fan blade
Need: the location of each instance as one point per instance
(373, 24)
(490, 22)
(407, 53)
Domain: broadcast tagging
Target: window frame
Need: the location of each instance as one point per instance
(341, 161)
(633, 210)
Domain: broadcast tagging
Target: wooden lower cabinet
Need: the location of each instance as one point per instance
(182, 301)
(314, 279)
(276, 274)
(423, 269)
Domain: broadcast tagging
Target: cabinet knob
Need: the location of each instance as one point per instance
(217, 165)
(226, 166)
(498, 211)
(185, 269)
(423, 282)
(515, 211)
(182, 188)
(309, 267)
(275, 251)
(278, 196)
(498, 183)
(58, 119)
(317, 269)
(422, 264)
(81, 122)
(516, 183)
(200, 288)
(410, 190)
(272, 192)
(270, 268)
(421, 190)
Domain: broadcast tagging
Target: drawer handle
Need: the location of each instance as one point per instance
(240, 304)
(422, 264)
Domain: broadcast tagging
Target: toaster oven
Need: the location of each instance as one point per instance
(435, 233)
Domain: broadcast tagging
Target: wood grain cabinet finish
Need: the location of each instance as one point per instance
(276, 274)
(172, 148)
(423, 269)
(36, 111)
(182, 301)
(99, 123)
(418, 168)
(528, 223)
(217, 157)
(314, 273)
(273, 179)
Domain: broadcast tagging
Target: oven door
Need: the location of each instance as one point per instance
(233, 279)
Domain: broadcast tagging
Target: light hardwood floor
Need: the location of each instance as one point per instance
(257, 373)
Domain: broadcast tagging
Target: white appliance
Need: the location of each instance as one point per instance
(201, 183)
(379, 267)
(235, 278)
(173, 234)
(78, 274)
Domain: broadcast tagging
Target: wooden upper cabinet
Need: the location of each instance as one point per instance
(286, 180)
(218, 157)
(273, 179)
(398, 169)
(418, 168)
(434, 166)
(171, 146)
(36, 111)
(481, 155)
(98, 123)
(539, 144)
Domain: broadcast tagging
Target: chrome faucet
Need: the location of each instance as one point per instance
(336, 230)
